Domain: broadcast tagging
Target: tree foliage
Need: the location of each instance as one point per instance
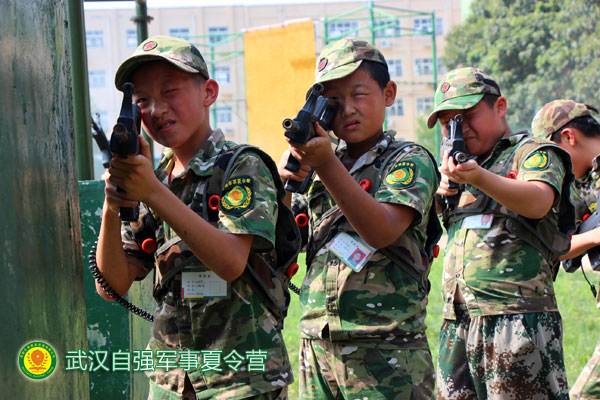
(537, 51)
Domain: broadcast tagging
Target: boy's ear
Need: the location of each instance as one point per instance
(501, 106)
(211, 92)
(567, 135)
(389, 93)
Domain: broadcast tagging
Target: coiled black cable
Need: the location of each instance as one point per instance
(110, 291)
(294, 288)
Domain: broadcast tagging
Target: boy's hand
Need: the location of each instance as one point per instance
(316, 152)
(467, 172)
(286, 174)
(133, 174)
(444, 189)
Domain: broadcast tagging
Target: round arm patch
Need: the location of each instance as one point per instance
(238, 196)
(537, 161)
(402, 175)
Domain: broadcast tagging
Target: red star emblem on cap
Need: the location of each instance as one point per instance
(150, 45)
(445, 87)
(322, 64)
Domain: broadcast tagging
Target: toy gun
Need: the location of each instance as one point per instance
(301, 129)
(124, 140)
(101, 141)
(457, 150)
(590, 221)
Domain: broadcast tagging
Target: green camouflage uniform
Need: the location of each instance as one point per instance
(584, 196)
(239, 345)
(363, 333)
(506, 341)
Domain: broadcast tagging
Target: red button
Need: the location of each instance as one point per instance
(292, 270)
(586, 216)
(301, 220)
(213, 202)
(511, 175)
(149, 245)
(436, 251)
(365, 184)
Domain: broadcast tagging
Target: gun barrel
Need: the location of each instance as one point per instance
(291, 125)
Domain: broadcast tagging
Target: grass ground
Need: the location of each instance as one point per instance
(576, 304)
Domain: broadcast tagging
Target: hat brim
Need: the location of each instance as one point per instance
(339, 72)
(128, 66)
(455, 103)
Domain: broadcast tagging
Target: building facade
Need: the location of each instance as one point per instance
(218, 33)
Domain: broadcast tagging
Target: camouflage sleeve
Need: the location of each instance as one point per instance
(410, 180)
(543, 165)
(249, 201)
(133, 252)
(578, 202)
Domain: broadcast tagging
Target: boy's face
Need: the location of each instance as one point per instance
(482, 125)
(362, 106)
(173, 103)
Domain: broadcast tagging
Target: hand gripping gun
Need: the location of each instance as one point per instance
(457, 150)
(124, 140)
(590, 221)
(301, 129)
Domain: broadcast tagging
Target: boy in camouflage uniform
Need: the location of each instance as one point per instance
(572, 126)
(218, 334)
(502, 335)
(363, 326)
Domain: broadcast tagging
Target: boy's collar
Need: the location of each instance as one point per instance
(370, 156)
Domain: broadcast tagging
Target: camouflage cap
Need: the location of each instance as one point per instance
(555, 115)
(178, 52)
(461, 89)
(343, 57)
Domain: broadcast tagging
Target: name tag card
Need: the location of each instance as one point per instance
(203, 284)
(351, 249)
(482, 221)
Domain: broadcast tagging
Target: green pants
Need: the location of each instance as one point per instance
(332, 370)
(515, 356)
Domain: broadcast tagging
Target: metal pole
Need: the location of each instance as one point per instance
(141, 20)
(438, 133)
(80, 93)
(372, 22)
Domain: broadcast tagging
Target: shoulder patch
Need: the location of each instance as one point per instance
(537, 161)
(238, 196)
(402, 175)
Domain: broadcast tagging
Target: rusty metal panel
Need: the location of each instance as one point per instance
(40, 241)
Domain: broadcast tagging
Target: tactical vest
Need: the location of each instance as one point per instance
(333, 221)
(267, 277)
(549, 240)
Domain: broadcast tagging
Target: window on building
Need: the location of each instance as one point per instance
(395, 67)
(423, 24)
(224, 115)
(342, 28)
(183, 33)
(131, 38)
(94, 39)
(424, 105)
(222, 75)
(396, 109)
(391, 30)
(423, 67)
(217, 33)
(97, 79)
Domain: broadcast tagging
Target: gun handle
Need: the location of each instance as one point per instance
(299, 187)
(128, 213)
(292, 164)
(594, 256)
(452, 200)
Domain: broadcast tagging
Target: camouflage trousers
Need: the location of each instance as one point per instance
(587, 386)
(514, 356)
(158, 393)
(331, 370)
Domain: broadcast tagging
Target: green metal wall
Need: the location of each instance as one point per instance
(40, 242)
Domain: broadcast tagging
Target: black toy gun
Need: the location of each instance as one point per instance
(457, 150)
(589, 222)
(301, 129)
(124, 140)
(101, 141)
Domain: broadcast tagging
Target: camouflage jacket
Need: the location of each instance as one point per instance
(223, 330)
(496, 269)
(584, 192)
(381, 305)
